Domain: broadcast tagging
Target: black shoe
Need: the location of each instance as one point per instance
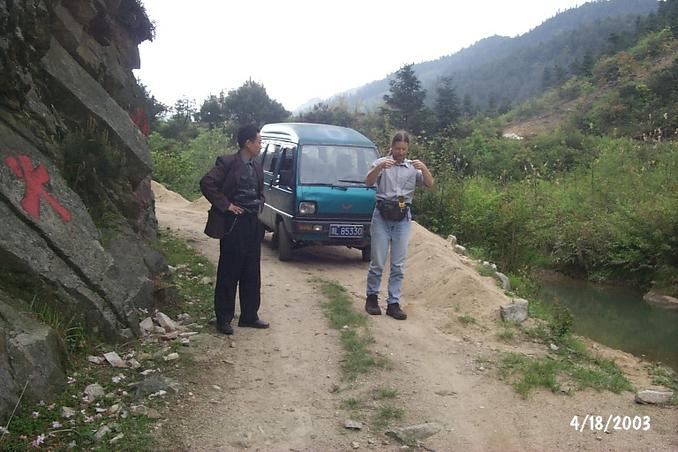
(394, 311)
(372, 305)
(261, 324)
(225, 328)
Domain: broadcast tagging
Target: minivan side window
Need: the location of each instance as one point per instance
(286, 174)
(271, 157)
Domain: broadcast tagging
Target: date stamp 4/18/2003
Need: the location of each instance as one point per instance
(611, 422)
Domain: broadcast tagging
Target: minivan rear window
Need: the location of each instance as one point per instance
(335, 165)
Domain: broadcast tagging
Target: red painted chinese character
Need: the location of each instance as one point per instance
(141, 120)
(35, 179)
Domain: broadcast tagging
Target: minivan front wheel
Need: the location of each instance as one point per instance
(284, 243)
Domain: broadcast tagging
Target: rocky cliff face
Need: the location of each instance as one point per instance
(76, 208)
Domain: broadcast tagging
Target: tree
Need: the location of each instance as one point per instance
(153, 109)
(467, 106)
(250, 104)
(212, 111)
(405, 103)
(446, 107)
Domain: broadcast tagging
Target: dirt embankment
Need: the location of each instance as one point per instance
(281, 389)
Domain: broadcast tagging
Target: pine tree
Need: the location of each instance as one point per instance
(405, 103)
(446, 107)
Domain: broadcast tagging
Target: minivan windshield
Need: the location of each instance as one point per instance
(335, 165)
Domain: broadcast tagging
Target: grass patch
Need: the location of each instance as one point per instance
(665, 376)
(355, 338)
(506, 334)
(385, 393)
(386, 415)
(195, 297)
(484, 270)
(351, 404)
(566, 372)
(467, 319)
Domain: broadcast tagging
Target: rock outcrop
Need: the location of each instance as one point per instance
(76, 207)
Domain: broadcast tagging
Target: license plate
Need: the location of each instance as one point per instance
(346, 230)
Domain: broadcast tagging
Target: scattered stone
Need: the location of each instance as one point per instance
(103, 431)
(95, 359)
(515, 311)
(67, 412)
(133, 364)
(460, 250)
(160, 393)
(183, 317)
(158, 330)
(113, 410)
(415, 432)
(217, 387)
(93, 392)
(146, 325)
(445, 393)
(172, 357)
(452, 240)
(206, 280)
(661, 300)
(554, 347)
(170, 336)
(139, 410)
(117, 438)
(355, 445)
(114, 360)
(165, 322)
(186, 342)
(156, 383)
(188, 334)
(654, 397)
(147, 372)
(353, 425)
(505, 282)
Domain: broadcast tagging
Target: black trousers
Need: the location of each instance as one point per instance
(239, 263)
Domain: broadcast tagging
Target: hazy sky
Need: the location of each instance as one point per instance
(303, 49)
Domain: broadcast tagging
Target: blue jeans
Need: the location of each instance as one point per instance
(385, 234)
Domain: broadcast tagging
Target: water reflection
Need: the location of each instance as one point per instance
(618, 318)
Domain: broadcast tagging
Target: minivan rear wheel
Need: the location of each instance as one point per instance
(367, 253)
(284, 243)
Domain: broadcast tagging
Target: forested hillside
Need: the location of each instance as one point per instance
(590, 189)
(497, 72)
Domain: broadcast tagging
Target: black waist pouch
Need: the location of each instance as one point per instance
(391, 210)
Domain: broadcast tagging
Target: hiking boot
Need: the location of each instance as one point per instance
(372, 305)
(394, 311)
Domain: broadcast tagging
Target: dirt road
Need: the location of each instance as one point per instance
(281, 388)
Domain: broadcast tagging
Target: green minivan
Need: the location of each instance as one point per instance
(314, 183)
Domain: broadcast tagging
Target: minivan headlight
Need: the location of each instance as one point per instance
(306, 208)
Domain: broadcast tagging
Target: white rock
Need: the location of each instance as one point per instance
(67, 412)
(146, 324)
(95, 359)
(515, 311)
(165, 322)
(158, 330)
(554, 347)
(114, 360)
(660, 300)
(452, 240)
(460, 250)
(188, 334)
(206, 280)
(353, 425)
(117, 438)
(505, 282)
(133, 363)
(103, 431)
(186, 342)
(654, 397)
(93, 392)
(171, 357)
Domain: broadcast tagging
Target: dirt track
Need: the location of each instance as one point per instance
(277, 387)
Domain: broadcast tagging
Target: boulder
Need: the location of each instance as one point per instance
(516, 311)
(505, 282)
(31, 355)
(460, 250)
(654, 397)
(661, 300)
(412, 433)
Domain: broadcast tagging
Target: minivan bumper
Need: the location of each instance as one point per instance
(316, 232)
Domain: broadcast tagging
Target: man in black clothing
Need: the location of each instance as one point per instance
(234, 187)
